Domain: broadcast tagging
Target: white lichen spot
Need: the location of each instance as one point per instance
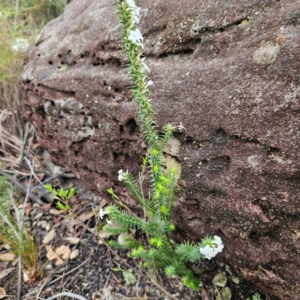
(266, 54)
(253, 161)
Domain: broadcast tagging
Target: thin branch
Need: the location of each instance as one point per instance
(23, 188)
(71, 271)
(68, 294)
(48, 282)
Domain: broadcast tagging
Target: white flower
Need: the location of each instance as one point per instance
(150, 82)
(120, 176)
(146, 68)
(131, 3)
(218, 243)
(135, 11)
(136, 37)
(20, 45)
(102, 212)
(210, 251)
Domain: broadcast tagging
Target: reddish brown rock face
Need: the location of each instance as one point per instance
(229, 71)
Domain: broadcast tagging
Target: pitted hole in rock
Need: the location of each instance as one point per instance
(253, 235)
(188, 139)
(131, 126)
(85, 54)
(115, 155)
(50, 62)
(121, 129)
(265, 207)
(41, 111)
(203, 162)
(209, 221)
(59, 55)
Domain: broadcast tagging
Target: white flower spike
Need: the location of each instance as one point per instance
(120, 176)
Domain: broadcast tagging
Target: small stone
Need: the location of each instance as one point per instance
(235, 280)
(220, 280)
(225, 294)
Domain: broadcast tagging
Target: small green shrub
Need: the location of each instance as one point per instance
(62, 196)
(162, 252)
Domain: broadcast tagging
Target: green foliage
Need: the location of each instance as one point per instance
(63, 196)
(256, 296)
(22, 22)
(13, 233)
(129, 243)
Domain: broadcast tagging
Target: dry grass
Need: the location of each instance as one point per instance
(15, 135)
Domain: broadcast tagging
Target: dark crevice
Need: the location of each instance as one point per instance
(216, 193)
(40, 111)
(121, 129)
(69, 93)
(112, 61)
(219, 29)
(187, 48)
(115, 155)
(131, 125)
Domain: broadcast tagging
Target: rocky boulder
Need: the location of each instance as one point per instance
(229, 71)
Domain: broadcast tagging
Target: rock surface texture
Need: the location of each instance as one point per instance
(229, 71)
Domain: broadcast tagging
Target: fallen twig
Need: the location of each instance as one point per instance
(68, 294)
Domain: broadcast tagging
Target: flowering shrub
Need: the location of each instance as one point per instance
(156, 223)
